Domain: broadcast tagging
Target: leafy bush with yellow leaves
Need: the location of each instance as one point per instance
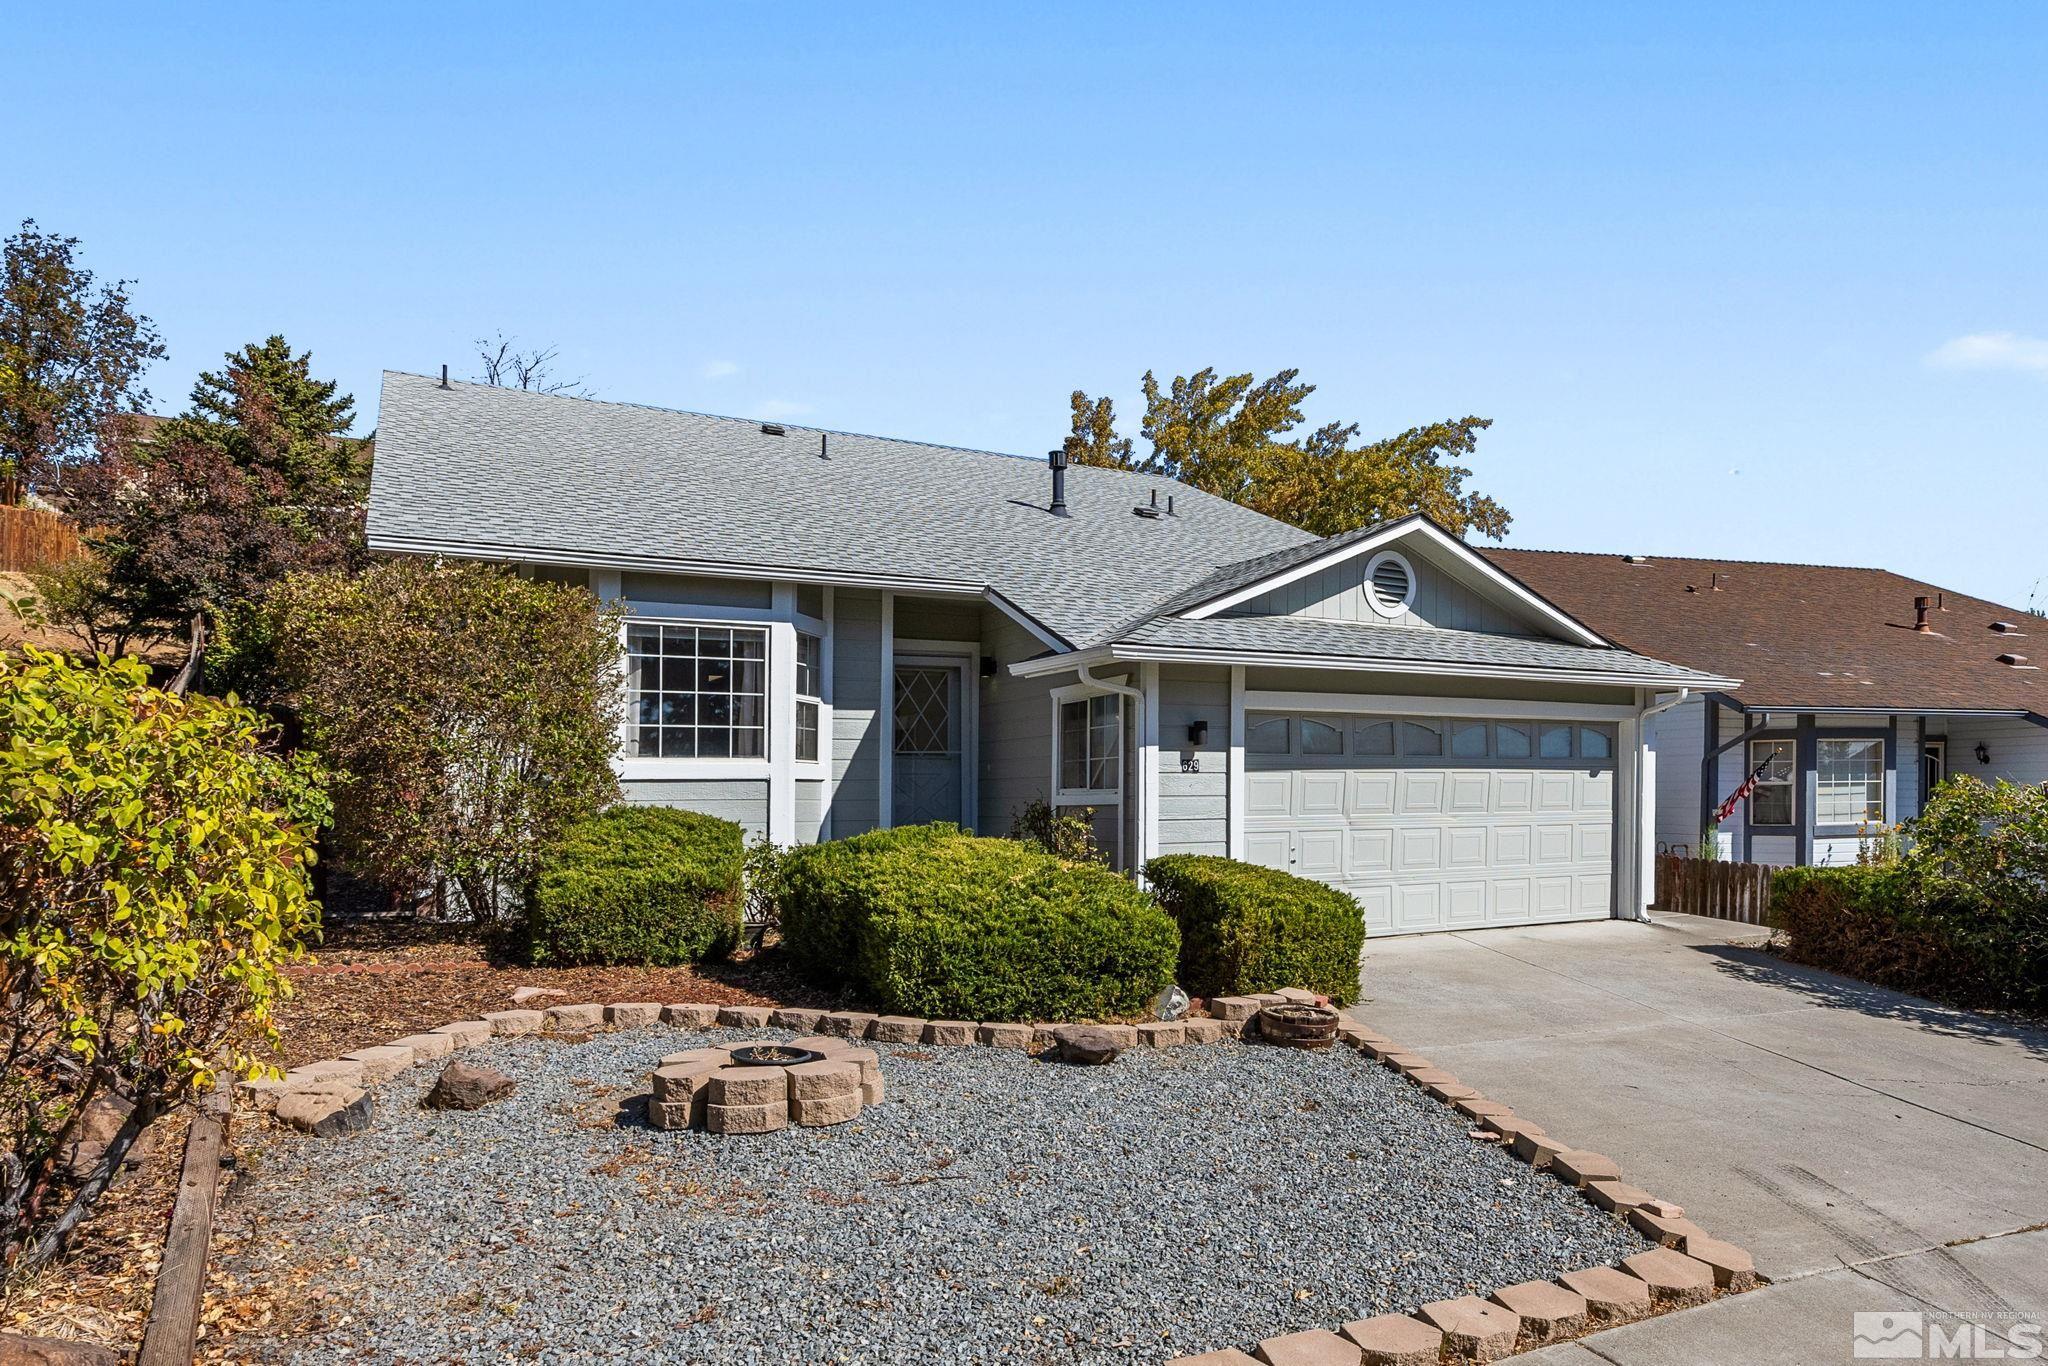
(155, 855)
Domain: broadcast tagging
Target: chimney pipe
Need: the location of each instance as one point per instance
(1920, 606)
(1056, 459)
(444, 377)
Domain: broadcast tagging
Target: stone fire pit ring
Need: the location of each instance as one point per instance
(762, 1085)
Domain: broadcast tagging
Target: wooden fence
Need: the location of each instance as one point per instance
(1710, 887)
(32, 537)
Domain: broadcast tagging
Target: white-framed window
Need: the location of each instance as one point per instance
(1770, 801)
(696, 691)
(1849, 782)
(1090, 759)
(810, 674)
(1389, 585)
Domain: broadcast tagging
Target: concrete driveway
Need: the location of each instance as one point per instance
(1873, 1151)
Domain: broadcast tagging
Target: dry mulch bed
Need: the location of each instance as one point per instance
(378, 981)
(373, 981)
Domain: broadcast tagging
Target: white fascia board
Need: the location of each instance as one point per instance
(1271, 659)
(1415, 525)
(661, 564)
(1040, 665)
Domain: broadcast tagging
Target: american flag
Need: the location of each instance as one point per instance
(1727, 808)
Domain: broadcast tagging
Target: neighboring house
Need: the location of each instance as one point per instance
(828, 633)
(1861, 689)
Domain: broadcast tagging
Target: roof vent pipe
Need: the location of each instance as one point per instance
(1920, 606)
(1056, 460)
(444, 376)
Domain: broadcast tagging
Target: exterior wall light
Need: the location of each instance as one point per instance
(1983, 754)
(1198, 732)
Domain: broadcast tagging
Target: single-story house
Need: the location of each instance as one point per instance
(828, 633)
(1861, 689)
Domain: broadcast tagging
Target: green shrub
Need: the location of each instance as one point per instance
(1873, 923)
(155, 862)
(1244, 928)
(638, 884)
(928, 920)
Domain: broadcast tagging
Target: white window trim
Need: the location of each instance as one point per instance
(1088, 796)
(1372, 599)
(813, 769)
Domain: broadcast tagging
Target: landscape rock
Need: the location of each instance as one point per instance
(746, 1017)
(1006, 1035)
(427, 1046)
(466, 1033)
(511, 1023)
(689, 1015)
(1087, 1045)
(791, 1017)
(633, 1014)
(464, 1086)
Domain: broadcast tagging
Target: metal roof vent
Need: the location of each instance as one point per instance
(773, 429)
(1056, 461)
(1635, 559)
(2006, 628)
(1152, 509)
(2014, 661)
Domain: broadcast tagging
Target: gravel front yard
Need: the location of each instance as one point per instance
(992, 1208)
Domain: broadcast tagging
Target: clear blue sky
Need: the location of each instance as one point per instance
(1732, 280)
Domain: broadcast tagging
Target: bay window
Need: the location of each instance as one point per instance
(697, 692)
(809, 695)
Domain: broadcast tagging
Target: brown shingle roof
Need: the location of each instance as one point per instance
(1800, 635)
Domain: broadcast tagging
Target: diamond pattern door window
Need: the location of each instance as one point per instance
(924, 711)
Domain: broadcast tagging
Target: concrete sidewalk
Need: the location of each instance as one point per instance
(1873, 1151)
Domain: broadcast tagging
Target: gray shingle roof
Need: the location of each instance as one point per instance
(1317, 638)
(474, 469)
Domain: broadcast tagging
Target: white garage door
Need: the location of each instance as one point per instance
(1437, 824)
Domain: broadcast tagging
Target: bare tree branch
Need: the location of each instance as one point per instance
(505, 366)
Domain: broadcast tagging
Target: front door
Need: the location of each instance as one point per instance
(928, 780)
(1933, 767)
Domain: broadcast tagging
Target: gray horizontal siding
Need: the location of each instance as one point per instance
(1194, 780)
(690, 589)
(810, 811)
(856, 690)
(739, 799)
(1016, 726)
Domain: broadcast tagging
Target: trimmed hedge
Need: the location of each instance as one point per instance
(647, 885)
(1244, 928)
(1873, 923)
(931, 921)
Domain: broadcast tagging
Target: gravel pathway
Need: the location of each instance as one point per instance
(993, 1208)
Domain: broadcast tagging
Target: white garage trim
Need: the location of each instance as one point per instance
(1373, 704)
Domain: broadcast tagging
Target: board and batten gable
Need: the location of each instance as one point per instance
(1444, 596)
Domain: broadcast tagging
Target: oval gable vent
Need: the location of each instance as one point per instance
(1389, 585)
